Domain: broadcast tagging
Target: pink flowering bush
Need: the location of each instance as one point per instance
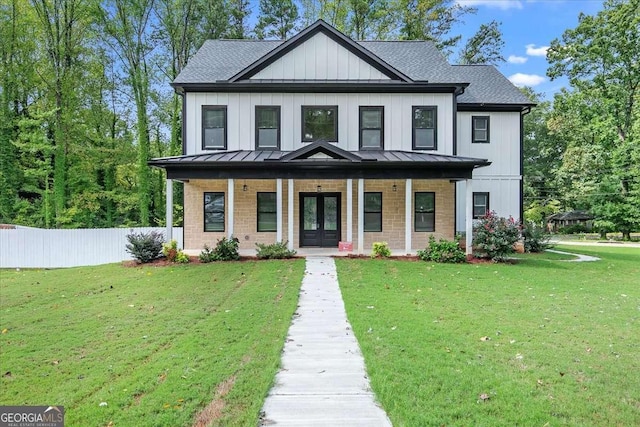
(494, 237)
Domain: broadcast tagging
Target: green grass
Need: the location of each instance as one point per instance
(157, 344)
(563, 347)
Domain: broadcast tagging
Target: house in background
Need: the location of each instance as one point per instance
(578, 220)
(321, 139)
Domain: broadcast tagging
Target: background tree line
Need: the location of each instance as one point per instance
(85, 99)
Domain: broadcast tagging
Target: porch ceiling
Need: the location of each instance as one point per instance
(334, 163)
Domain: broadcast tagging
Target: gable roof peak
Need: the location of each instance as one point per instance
(321, 26)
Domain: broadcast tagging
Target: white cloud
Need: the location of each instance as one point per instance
(499, 4)
(532, 50)
(520, 79)
(514, 59)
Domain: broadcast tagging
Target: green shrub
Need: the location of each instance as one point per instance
(145, 247)
(182, 258)
(380, 250)
(494, 237)
(225, 250)
(573, 229)
(535, 237)
(207, 254)
(170, 250)
(276, 250)
(442, 251)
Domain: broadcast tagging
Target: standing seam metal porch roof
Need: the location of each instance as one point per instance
(333, 163)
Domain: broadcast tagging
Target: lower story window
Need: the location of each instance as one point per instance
(267, 212)
(425, 211)
(213, 211)
(372, 211)
(480, 204)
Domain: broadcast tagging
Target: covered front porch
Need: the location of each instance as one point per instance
(320, 198)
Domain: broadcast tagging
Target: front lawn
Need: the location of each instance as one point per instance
(541, 342)
(146, 346)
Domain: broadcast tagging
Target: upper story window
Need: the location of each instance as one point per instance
(480, 205)
(214, 127)
(371, 128)
(213, 211)
(267, 128)
(319, 123)
(480, 129)
(425, 211)
(425, 120)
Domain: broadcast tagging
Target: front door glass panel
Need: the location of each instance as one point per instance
(330, 213)
(310, 218)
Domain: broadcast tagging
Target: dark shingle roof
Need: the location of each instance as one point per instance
(219, 60)
(487, 85)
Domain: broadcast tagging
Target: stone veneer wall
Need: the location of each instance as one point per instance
(245, 216)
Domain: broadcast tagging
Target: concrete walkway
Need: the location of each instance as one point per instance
(322, 381)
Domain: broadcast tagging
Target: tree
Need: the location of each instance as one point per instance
(432, 20)
(484, 47)
(238, 12)
(277, 19)
(370, 19)
(542, 159)
(601, 58)
(64, 26)
(127, 31)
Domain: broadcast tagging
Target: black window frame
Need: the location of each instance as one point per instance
(435, 126)
(318, 107)
(486, 206)
(279, 126)
(258, 211)
(371, 212)
(473, 129)
(204, 210)
(206, 108)
(380, 129)
(416, 212)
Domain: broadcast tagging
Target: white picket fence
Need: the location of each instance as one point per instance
(40, 248)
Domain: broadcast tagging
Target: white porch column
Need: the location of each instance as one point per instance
(279, 210)
(408, 211)
(230, 208)
(290, 214)
(169, 210)
(360, 216)
(469, 217)
(349, 210)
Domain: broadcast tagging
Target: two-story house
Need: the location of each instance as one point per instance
(321, 139)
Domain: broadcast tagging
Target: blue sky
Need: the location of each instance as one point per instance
(528, 26)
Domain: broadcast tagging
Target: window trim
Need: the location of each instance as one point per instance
(473, 201)
(279, 126)
(324, 107)
(381, 128)
(473, 130)
(433, 108)
(258, 212)
(205, 108)
(204, 212)
(364, 208)
(415, 211)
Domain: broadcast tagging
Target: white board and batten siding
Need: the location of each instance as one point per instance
(241, 117)
(503, 149)
(502, 178)
(319, 58)
(44, 248)
(503, 197)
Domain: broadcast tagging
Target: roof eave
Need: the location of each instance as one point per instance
(320, 87)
